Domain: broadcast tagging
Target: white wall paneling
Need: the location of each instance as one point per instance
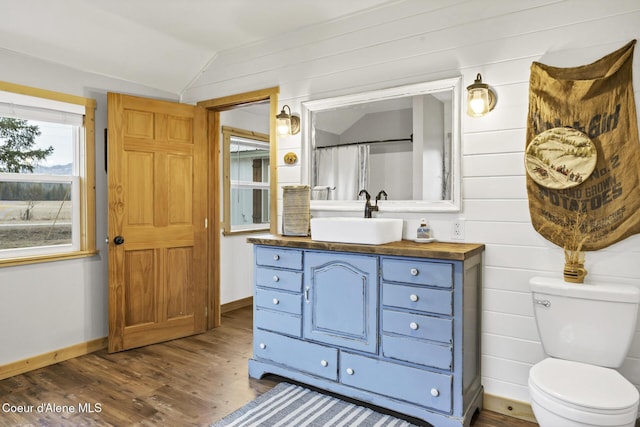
(515, 349)
(515, 326)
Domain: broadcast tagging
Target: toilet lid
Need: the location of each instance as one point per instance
(584, 385)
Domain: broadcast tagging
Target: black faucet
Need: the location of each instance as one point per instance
(379, 196)
(367, 204)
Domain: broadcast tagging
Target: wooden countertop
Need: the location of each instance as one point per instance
(441, 250)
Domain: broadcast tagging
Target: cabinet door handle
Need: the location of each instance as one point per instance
(350, 371)
(262, 345)
(324, 363)
(276, 278)
(276, 257)
(435, 392)
(413, 297)
(276, 301)
(413, 325)
(414, 271)
(306, 294)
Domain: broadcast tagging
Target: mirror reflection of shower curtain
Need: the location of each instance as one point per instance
(346, 168)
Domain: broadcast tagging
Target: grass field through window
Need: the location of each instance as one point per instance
(25, 224)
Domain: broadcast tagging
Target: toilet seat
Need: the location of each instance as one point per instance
(584, 393)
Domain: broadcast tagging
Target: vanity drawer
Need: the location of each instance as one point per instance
(413, 385)
(417, 326)
(278, 321)
(418, 298)
(301, 355)
(417, 272)
(411, 350)
(279, 257)
(279, 279)
(279, 301)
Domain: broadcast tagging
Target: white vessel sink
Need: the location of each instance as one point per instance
(366, 231)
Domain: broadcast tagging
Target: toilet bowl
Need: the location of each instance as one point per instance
(585, 331)
(573, 394)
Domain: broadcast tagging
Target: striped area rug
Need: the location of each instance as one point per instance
(289, 405)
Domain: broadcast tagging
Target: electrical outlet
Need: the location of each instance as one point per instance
(457, 229)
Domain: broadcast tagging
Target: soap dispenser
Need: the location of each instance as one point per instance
(424, 231)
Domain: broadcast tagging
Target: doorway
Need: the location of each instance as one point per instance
(227, 269)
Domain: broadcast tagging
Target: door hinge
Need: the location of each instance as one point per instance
(206, 223)
(206, 311)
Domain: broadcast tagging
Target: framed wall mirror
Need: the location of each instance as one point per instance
(404, 141)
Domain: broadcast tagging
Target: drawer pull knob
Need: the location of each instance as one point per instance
(435, 392)
(413, 297)
(350, 371)
(324, 363)
(276, 279)
(263, 345)
(276, 257)
(276, 301)
(414, 271)
(413, 325)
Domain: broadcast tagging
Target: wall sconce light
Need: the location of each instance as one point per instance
(480, 98)
(287, 124)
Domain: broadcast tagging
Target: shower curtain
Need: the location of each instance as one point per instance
(346, 168)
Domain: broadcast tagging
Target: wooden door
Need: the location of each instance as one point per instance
(157, 172)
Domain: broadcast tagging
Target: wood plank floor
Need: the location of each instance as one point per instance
(192, 381)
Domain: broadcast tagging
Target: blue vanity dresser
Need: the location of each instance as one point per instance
(394, 325)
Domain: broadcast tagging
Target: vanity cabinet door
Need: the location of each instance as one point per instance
(341, 299)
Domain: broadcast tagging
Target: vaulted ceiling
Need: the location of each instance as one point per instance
(164, 44)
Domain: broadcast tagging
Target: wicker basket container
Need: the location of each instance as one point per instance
(295, 210)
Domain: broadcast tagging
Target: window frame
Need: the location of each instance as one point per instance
(227, 133)
(86, 178)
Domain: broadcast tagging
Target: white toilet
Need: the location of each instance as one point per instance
(586, 330)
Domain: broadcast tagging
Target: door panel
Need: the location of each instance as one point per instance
(139, 180)
(180, 189)
(157, 203)
(180, 282)
(139, 293)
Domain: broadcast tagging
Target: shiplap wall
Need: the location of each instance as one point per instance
(421, 40)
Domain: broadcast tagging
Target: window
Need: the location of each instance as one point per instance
(47, 182)
(246, 180)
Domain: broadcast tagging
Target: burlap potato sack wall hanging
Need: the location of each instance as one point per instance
(582, 152)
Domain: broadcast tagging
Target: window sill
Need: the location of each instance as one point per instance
(246, 231)
(9, 262)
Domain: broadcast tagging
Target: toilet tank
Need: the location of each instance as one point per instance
(590, 323)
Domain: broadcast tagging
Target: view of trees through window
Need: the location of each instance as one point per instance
(36, 183)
